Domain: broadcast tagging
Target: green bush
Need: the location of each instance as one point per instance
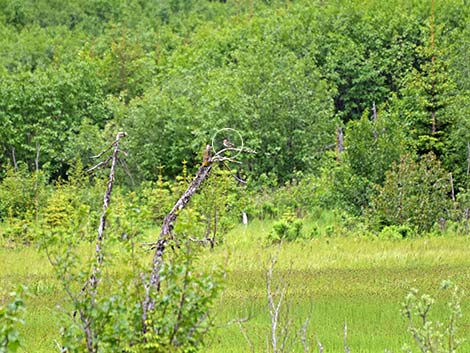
(430, 334)
(394, 232)
(10, 319)
(22, 194)
(289, 228)
(415, 193)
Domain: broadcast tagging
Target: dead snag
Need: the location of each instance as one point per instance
(91, 286)
(106, 200)
(168, 223)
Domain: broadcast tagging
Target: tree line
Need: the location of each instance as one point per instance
(286, 74)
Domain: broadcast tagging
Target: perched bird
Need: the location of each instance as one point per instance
(228, 143)
(206, 156)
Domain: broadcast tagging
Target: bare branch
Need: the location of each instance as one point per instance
(225, 159)
(235, 321)
(104, 151)
(303, 336)
(102, 164)
(124, 166)
(239, 150)
(339, 143)
(198, 324)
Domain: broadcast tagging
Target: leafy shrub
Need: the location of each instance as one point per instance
(155, 200)
(10, 318)
(339, 187)
(20, 230)
(414, 193)
(396, 232)
(22, 193)
(432, 335)
(288, 228)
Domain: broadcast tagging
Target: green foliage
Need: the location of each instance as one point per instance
(289, 228)
(22, 194)
(427, 95)
(178, 322)
(42, 110)
(285, 74)
(221, 202)
(414, 193)
(431, 335)
(396, 232)
(373, 145)
(22, 199)
(155, 200)
(66, 213)
(11, 318)
(339, 187)
(113, 312)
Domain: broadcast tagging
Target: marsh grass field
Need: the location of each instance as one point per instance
(360, 281)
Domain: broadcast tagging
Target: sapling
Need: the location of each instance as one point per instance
(433, 336)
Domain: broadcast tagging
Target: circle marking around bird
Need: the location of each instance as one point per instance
(218, 132)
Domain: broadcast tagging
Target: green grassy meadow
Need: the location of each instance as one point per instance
(356, 280)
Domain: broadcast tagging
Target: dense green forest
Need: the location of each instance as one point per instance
(393, 76)
(358, 110)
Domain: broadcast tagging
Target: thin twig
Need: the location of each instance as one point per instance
(226, 159)
(239, 150)
(198, 324)
(247, 338)
(181, 305)
(320, 346)
(124, 166)
(234, 321)
(104, 151)
(346, 347)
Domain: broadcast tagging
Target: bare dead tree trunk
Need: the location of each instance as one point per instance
(374, 112)
(93, 281)
(106, 200)
(339, 143)
(452, 190)
(13, 156)
(36, 160)
(274, 308)
(433, 122)
(374, 119)
(165, 236)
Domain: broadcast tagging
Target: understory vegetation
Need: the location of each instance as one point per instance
(336, 131)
